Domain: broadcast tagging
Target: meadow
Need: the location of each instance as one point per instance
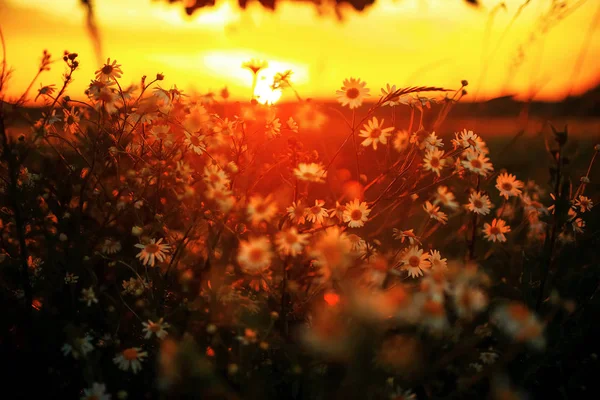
(162, 245)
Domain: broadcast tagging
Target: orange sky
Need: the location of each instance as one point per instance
(403, 42)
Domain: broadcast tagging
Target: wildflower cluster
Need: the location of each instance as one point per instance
(194, 233)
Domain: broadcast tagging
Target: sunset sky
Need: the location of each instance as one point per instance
(402, 42)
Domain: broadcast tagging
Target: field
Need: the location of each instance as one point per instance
(400, 245)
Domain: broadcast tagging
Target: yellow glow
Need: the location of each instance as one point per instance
(402, 42)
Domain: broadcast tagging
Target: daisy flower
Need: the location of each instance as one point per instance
(508, 185)
(477, 163)
(415, 262)
(356, 213)
(80, 347)
(195, 142)
(96, 392)
(158, 328)
(273, 128)
(130, 358)
(584, 204)
(401, 141)
(88, 296)
(469, 140)
(312, 172)
(317, 213)
(495, 231)
(261, 209)
(224, 126)
(215, 176)
(375, 133)
(292, 125)
(254, 255)
(111, 246)
(290, 242)
(437, 262)
(515, 320)
(434, 160)
(71, 120)
(109, 71)
(432, 142)
(71, 279)
(296, 212)
(358, 244)
(435, 213)
(338, 211)
(408, 234)
(152, 251)
(255, 65)
(352, 93)
(391, 101)
(445, 197)
(479, 203)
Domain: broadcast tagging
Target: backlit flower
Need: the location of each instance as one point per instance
(479, 203)
(316, 213)
(152, 251)
(356, 213)
(195, 142)
(130, 358)
(388, 94)
(401, 141)
(584, 204)
(508, 185)
(312, 172)
(111, 246)
(158, 328)
(495, 231)
(415, 262)
(435, 213)
(434, 160)
(437, 262)
(290, 242)
(88, 296)
(374, 133)
(261, 209)
(352, 93)
(477, 163)
(445, 197)
(432, 142)
(297, 212)
(96, 392)
(254, 255)
(109, 71)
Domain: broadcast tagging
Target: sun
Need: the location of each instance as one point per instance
(264, 94)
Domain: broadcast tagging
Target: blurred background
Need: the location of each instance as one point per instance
(545, 50)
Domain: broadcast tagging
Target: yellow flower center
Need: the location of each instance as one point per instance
(256, 255)
(414, 261)
(195, 141)
(435, 162)
(130, 354)
(290, 238)
(315, 210)
(352, 93)
(518, 312)
(476, 163)
(107, 69)
(356, 215)
(152, 248)
(375, 133)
